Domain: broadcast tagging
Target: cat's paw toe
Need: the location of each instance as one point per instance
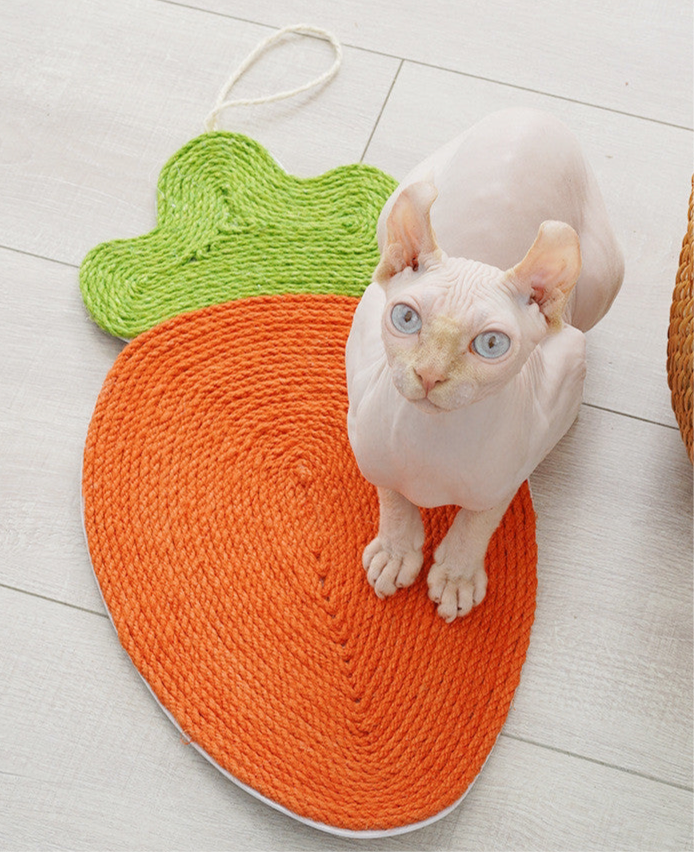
(388, 570)
(455, 593)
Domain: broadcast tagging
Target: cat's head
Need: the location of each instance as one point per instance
(456, 330)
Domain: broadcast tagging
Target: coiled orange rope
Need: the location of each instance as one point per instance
(226, 516)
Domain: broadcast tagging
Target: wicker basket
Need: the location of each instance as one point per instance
(680, 349)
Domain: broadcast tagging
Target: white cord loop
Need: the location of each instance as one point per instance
(222, 104)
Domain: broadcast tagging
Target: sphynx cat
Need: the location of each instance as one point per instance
(466, 357)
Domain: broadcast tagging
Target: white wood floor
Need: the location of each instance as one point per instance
(95, 95)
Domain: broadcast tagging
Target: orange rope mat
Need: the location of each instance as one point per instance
(226, 517)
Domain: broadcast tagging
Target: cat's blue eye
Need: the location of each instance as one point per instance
(491, 344)
(405, 319)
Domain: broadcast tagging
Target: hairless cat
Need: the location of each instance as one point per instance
(466, 357)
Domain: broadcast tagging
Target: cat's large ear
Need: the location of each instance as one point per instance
(550, 269)
(410, 240)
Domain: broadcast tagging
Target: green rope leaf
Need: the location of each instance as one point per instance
(232, 224)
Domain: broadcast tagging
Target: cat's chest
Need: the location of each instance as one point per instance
(467, 458)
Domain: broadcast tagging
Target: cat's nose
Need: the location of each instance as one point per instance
(430, 377)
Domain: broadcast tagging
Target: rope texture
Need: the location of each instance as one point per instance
(231, 224)
(226, 516)
(680, 348)
(222, 103)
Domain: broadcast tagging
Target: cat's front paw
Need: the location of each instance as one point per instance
(389, 568)
(456, 589)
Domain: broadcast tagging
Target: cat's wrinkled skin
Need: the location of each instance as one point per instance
(504, 231)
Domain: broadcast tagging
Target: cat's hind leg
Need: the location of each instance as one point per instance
(457, 579)
(394, 558)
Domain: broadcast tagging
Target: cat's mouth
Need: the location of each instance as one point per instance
(427, 406)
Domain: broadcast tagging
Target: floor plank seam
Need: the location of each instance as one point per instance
(592, 405)
(26, 253)
(57, 601)
(542, 93)
(218, 14)
(383, 106)
(675, 785)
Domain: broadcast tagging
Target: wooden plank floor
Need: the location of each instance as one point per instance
(94, 98)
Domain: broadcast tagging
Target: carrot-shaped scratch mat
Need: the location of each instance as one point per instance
(225, 514)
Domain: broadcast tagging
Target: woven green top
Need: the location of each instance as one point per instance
(232, 223)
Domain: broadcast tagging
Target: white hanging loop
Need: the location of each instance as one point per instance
(222, 104)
